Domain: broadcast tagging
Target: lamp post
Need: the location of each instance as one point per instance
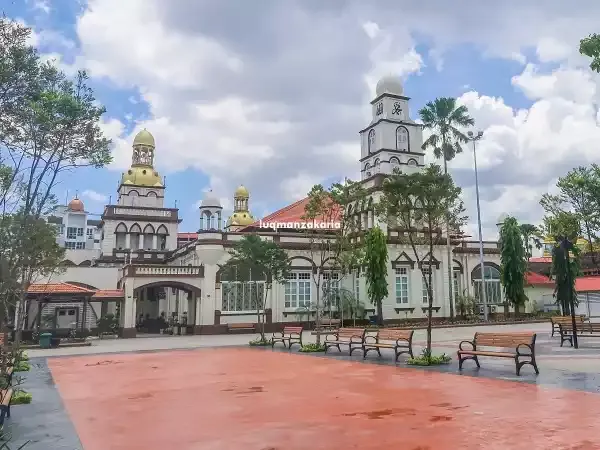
(474, 138)
(566, 247)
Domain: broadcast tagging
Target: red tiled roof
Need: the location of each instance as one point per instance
(587, 284)
(57, 288)
(541, 259)
(109, 293)
(295, 213)
(535, 279)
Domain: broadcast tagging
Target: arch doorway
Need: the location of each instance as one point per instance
(166, 309)
(493, 288)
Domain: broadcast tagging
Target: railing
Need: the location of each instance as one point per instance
(150, 212)
(164, 271)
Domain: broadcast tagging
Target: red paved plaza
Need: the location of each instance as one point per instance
(229, 399)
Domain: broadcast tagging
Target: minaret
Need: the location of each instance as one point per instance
(241, 216)
(211, 213)
(392, 140)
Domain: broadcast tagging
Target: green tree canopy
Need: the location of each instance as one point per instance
(376, 268)
(419, 204)
(590, 46)
(513, 263)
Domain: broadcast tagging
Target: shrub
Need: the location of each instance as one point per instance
(260, 342)
(22, 366)
(21, 397)
(427, 359)
(312, 348)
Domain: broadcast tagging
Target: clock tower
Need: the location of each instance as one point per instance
(392, 139)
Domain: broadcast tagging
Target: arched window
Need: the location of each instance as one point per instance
(368, 170)
(493, 289)
(133, 193)
(377, 166)
(394, 163)
(152, 194)
(148, 237)
(371, 141)
(162, 233)
(402, 139)
(120, 236)
(134, 236)
(412, 163)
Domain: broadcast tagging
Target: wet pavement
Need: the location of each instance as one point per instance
(230, 398)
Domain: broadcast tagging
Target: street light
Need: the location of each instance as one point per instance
(474, 138)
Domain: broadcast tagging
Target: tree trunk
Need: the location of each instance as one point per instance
(380, 313)
(318, 314)
(449, 257)
(429, 315)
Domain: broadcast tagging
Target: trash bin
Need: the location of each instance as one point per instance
(45, 339)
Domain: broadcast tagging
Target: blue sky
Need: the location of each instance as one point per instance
(207, 89)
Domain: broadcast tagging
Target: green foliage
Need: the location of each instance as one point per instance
(376, 261)
(444, 118)
(513, 262)
(590, 46)
(312, 348)
(22, 366)
(420, 204)
(427, 359)
(108, 324)
(351, 307)
(260, 342)
(532, 237)
(565, 275)
(21, 397)
(253, 259)
(465, 304)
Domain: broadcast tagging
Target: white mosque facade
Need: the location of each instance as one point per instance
(155, 270)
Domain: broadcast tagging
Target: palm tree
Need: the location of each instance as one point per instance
(444, 118)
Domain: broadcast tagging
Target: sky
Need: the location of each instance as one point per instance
(272, 94)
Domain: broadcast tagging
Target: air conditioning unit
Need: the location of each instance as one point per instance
(494, 309)
(481, 310)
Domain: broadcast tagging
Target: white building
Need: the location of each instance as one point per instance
(139, 252)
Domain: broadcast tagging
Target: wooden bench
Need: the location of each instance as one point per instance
(556, 321)
(329, 324)
(354, 338)
(291, 335)
(5, 397)
(586, 329)
(516, 342)
(399, 340)
(241, 327)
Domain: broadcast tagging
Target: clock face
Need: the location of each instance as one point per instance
(379, 109)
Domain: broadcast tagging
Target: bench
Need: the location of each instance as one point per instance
(354, 338)
(522, 345)
(241, 327)
(556, 321)
(329, 324)
(399, 340)
(5, 397)
(566, 331)
(291, 335)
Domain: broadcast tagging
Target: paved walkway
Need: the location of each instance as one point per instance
(124, 394)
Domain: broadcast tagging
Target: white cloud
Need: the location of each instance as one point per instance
(94, 196)
(550, 49)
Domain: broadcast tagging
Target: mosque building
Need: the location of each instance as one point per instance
(146, 272)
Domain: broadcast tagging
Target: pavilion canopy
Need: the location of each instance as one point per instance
(68, 289)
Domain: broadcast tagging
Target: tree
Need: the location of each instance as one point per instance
(513, 264)
(579, 193)
(444, 119)
(532, 237)
(376, 259)
(331, 249)
(49, 126)
(590, 46)
(255, 260)
(420, 204)
(29, 253)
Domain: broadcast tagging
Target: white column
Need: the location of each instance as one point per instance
(141, 241)
(129, 307)
(154, 241)
(127, 240)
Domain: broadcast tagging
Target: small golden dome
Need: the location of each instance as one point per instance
(241, 192)
(144, 137)
(76, 205)
(142, 176)
(241, 218)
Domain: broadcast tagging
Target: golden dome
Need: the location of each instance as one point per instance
(144, 137)
(242, 218)
(241, 192)
(142, 176)
(76, 205)
(549, 240)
